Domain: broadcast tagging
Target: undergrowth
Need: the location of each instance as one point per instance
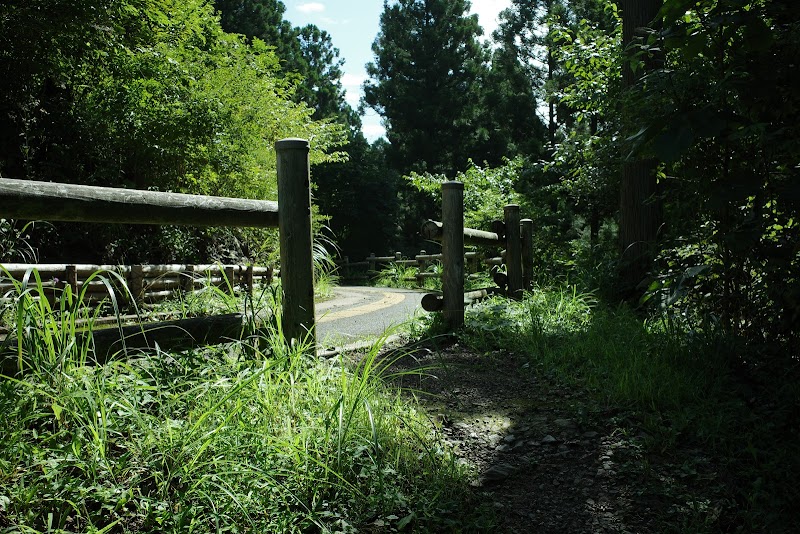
(686, 390)
(254, 436)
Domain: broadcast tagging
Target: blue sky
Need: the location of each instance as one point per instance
(353, 26)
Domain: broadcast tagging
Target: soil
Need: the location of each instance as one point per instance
(548, 460)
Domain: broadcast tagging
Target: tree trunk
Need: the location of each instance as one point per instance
(640, 208)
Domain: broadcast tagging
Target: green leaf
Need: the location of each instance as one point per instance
(672, 10)
(57, 411)
(403, 523)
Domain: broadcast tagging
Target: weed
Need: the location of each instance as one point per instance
(256, 436)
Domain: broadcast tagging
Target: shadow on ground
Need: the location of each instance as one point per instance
(545, 459)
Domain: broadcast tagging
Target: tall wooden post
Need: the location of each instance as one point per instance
(294, 222)
(527, 253)
(513, 251)
(453, 253)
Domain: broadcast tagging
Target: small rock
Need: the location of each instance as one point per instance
(563, 448)
(503, 448)
(564, 423)
(549, 440)
(498, 472)
(509, 438)
(590, 435)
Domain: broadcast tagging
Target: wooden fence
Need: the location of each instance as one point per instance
(512, 237)
(512, 234)
(371, 265)
(144, 283)
(33, 200)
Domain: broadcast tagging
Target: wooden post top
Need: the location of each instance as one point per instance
(292, 143)
(453, 184)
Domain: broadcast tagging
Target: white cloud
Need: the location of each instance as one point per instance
(353, 80)
(373, 131)
(352, 87)
(311, 7)
(487, 11)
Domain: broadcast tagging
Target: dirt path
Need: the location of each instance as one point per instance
(545, 459)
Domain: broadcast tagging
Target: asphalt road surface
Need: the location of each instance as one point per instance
(356, 314)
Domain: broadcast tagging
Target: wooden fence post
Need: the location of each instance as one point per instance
(421, 266)
(453, 253)
(294, 222)
(136, 283)
(527, 253)
(249, 279)
(372, 262)
(513, 251)
(188, 279)
(229, 274)
(72, 278)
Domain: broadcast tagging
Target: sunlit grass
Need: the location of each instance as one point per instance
(253, 436)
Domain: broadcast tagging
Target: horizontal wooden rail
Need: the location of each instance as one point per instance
(146, 283)
(433, 230)
(28, 200)
(18, 269)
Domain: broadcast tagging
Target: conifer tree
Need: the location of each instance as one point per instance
(425, 83)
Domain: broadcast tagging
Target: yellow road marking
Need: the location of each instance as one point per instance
(389, 299)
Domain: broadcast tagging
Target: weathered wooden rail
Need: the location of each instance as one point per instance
(32, 200)
(145, 283)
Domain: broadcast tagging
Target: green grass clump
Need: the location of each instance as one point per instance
(254, 436)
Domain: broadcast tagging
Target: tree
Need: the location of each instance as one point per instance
(721, 111)
(149, 94)
(307, 53)
(640, 215)
(589, 157)
(510, 124)
(425, 83)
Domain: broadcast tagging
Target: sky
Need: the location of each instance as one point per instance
(353, 26)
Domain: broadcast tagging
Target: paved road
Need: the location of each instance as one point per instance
(360, 313)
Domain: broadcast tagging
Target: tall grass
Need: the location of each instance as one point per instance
(256, 436)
